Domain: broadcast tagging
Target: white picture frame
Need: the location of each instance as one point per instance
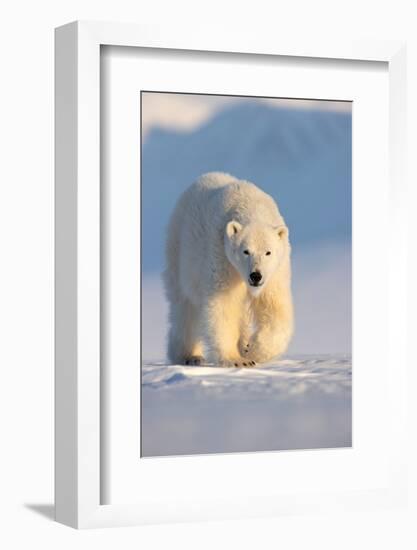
(78, 412)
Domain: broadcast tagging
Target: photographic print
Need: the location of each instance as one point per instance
(246, 247)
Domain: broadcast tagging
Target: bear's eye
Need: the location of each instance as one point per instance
(268, 253)
(246, 252)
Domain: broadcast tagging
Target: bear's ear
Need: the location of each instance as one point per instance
(232, 228)
(282, 231)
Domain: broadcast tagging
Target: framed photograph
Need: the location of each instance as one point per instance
(230, 220)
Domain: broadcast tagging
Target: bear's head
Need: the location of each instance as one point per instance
(256, 251)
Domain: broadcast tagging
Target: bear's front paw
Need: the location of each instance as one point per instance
(248, 351)
(257, 351)
(245, 349)
(194, 360)
(239, 363)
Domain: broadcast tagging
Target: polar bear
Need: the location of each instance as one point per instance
(228, 275)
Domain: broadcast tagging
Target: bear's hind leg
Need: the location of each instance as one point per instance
(184, 342)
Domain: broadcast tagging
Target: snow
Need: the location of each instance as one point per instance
(301, 402)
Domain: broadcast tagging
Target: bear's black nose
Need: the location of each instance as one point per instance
(255, 277)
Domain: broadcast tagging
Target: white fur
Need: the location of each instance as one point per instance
(213, 308)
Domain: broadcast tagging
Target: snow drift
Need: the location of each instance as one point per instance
(295, 403)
